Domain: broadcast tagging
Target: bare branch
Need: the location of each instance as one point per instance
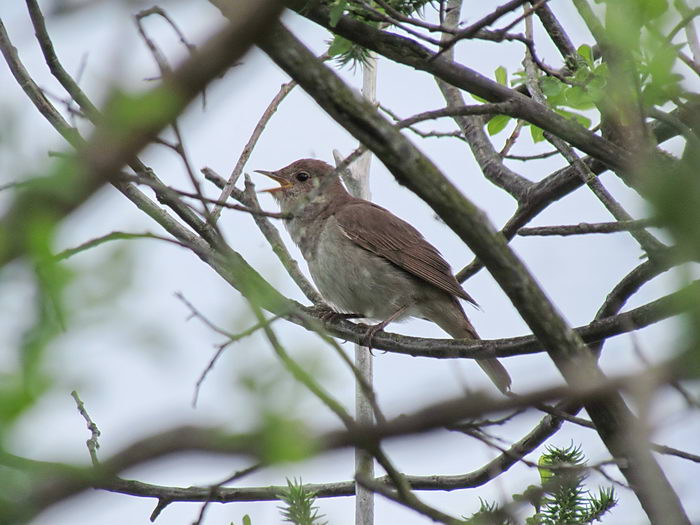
(489, 19)
(585, 228)
(252, 141)
(164, 190)
(231, 338)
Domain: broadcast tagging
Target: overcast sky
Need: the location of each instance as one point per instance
(134, 356)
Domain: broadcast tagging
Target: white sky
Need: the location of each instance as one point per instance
(134, 357)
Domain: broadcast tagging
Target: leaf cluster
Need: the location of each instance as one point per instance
(346, 52)
(581, 91)
(565, 498)
(299, 505)
(561, 499)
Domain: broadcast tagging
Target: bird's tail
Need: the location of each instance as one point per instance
(455, 322)
(496, 372)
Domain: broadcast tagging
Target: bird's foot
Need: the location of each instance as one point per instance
(366, 340)
(373, 329)
(327, 314)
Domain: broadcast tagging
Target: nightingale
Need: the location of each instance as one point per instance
(366, 261)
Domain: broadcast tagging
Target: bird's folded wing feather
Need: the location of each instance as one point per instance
(381, 232)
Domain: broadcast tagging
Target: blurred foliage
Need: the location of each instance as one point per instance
(59, 293)
(490, 514)
(561, 499)
(20, 389)
(284, 439)
(674, 191)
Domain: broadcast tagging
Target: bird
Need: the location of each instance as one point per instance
(366, 261)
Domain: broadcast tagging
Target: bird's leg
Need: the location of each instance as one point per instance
(326, 314)
(369, 335)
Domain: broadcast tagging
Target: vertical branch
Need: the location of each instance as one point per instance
(472, 127)
(364, 462)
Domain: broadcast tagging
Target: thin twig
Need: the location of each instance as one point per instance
(252, 141)
(397, 15)
(231, 338)
(112, 236)
(688, 15)
(498, 108)
(166, 70)
(526, 158)
(213, 489)
(472, 127)
(413, 503)
(93, 443)
(300, 374)
(471, 30)
(510, 141)
(157, 185)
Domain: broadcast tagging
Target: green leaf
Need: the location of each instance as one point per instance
(572, 115)
(519, 77)
(247, 520)
(128, 113)
(536, 133)
(336, 11)
(545, 473)
(579, 98)
(497, 124)
(651, 9)
(478, 98)
(596, 87)
(582, 76)
(586, 53)
(661, 82)
(339, 46)
(551, 88)
(501, 75)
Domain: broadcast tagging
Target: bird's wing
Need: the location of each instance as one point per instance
(382, 233)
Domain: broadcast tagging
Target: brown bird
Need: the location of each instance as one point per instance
(367, 261)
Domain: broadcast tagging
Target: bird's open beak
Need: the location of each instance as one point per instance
(284, 183)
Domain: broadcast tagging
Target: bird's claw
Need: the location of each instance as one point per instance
(366, 340)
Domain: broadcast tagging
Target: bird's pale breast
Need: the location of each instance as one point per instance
(353, 279)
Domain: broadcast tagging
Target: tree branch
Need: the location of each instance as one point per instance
(585, 228)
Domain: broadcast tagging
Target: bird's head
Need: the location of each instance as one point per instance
(299, 179)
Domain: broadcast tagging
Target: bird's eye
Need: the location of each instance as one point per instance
(302, 176)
